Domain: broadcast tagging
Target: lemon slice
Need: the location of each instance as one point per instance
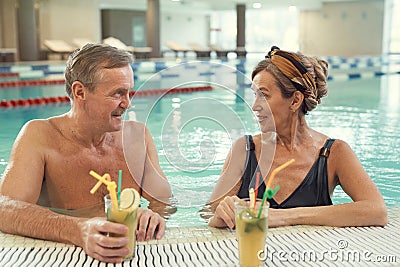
(130, 199)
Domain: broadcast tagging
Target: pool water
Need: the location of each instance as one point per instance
(194, 131)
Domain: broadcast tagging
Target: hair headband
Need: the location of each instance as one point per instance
(291, 66)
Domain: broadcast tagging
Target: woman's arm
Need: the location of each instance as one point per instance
(227, 187)
(367, 209)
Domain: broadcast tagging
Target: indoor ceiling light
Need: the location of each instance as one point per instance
(256, 5)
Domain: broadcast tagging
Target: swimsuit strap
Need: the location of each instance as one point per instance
(250, 170)
(325, 150)
(322, 172)
(249, 151)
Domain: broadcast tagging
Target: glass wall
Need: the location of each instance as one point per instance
(394, 29)
(391, 42)
(264, 28)
(223, 29)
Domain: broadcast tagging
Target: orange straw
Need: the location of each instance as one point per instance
(111, 186)
(276, 170)
(271, 178)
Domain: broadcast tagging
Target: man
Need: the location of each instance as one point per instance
(50, 162)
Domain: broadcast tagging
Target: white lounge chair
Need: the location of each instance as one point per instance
(118, 44)
(59, 47)
(138, 52)
(223, 53)
(177, 48)
(80, 42)
(201, 51)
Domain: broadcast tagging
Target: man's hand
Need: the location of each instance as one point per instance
(98, 245)
(149, 224)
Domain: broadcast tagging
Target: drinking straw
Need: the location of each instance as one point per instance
(278, 169)
(119, 186)
(111, 187)
(257, 183)
(99, 183)
(252, 198)
(268, 191)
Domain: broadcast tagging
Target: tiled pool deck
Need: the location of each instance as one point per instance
(205, 246)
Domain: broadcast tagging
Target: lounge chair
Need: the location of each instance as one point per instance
(138, 52)
(7, 54)
(59, 47)
(118, 44)
(177, 48)
(241, 51)
(142, 52)
(80, 42)
(223, 53)
(200, 50)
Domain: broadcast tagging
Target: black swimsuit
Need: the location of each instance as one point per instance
(313, 190)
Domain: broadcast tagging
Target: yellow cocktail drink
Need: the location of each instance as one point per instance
(126, 214)
(251, 231)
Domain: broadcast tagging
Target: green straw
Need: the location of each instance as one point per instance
(270, 193)
(119, 186)
(262, 203)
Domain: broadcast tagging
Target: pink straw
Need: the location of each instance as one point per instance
(257, 183)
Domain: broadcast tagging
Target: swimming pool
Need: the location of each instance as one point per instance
(194, 131)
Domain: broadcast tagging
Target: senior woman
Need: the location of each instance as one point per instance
(287, 86)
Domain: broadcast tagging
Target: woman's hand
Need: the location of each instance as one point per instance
(224, 213)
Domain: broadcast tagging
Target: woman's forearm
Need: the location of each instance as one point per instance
(360, 213)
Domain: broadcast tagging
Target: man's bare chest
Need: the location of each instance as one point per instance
(66, 175)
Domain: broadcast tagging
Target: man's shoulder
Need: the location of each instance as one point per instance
(134, 126)
(134, 129)
(131, 123)
(40, 127)
(36, 125)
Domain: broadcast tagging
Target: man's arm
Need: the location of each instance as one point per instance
(20, 189)
(156, 187)
(23, 176)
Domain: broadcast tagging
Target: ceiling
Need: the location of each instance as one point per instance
(215, 5)
(265, 4)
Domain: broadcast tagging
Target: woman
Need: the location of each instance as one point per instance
(287, 86)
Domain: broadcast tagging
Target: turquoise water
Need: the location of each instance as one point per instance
(193, 132)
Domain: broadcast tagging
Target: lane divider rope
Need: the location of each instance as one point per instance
(62, 99)
(31, 83)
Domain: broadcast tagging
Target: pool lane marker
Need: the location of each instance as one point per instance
(31, 83)
(62, 99)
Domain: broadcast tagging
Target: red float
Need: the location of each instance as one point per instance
(58, 99)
